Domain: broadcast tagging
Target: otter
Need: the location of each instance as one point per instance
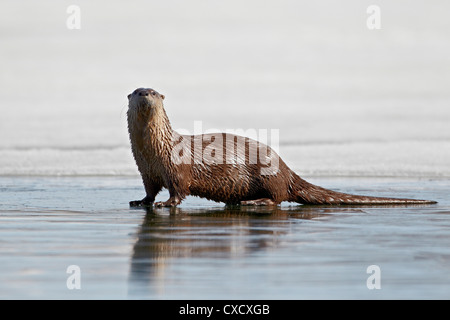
(236, 170)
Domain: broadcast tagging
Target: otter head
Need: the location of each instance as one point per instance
(145, 100)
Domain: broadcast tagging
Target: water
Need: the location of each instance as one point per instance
(203, 250)
(358, 110)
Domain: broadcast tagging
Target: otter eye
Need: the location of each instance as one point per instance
(153, 93)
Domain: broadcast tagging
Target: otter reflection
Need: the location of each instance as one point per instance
(224, 233)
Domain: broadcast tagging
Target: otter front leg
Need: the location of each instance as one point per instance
(259, 202)
(175, 199)
(152, 188)
(177, 191)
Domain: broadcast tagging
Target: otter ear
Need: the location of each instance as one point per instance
(129, 96)
(162, 96)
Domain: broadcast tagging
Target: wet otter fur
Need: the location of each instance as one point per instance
(228, 175)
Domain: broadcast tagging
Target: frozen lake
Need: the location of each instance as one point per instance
(203, 250)
(346, 100)
(358, 110)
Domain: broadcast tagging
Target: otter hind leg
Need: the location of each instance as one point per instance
(259, 202)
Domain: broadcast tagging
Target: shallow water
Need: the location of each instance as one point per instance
(204, 250)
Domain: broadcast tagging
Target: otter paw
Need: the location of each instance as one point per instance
(168, 203)
(258, 202)
(136, 203)
(141, 203)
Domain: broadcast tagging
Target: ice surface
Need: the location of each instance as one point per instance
(347, 100)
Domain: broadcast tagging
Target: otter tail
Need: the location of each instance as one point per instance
(307, 193)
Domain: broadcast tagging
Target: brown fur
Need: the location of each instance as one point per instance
(231, 177)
